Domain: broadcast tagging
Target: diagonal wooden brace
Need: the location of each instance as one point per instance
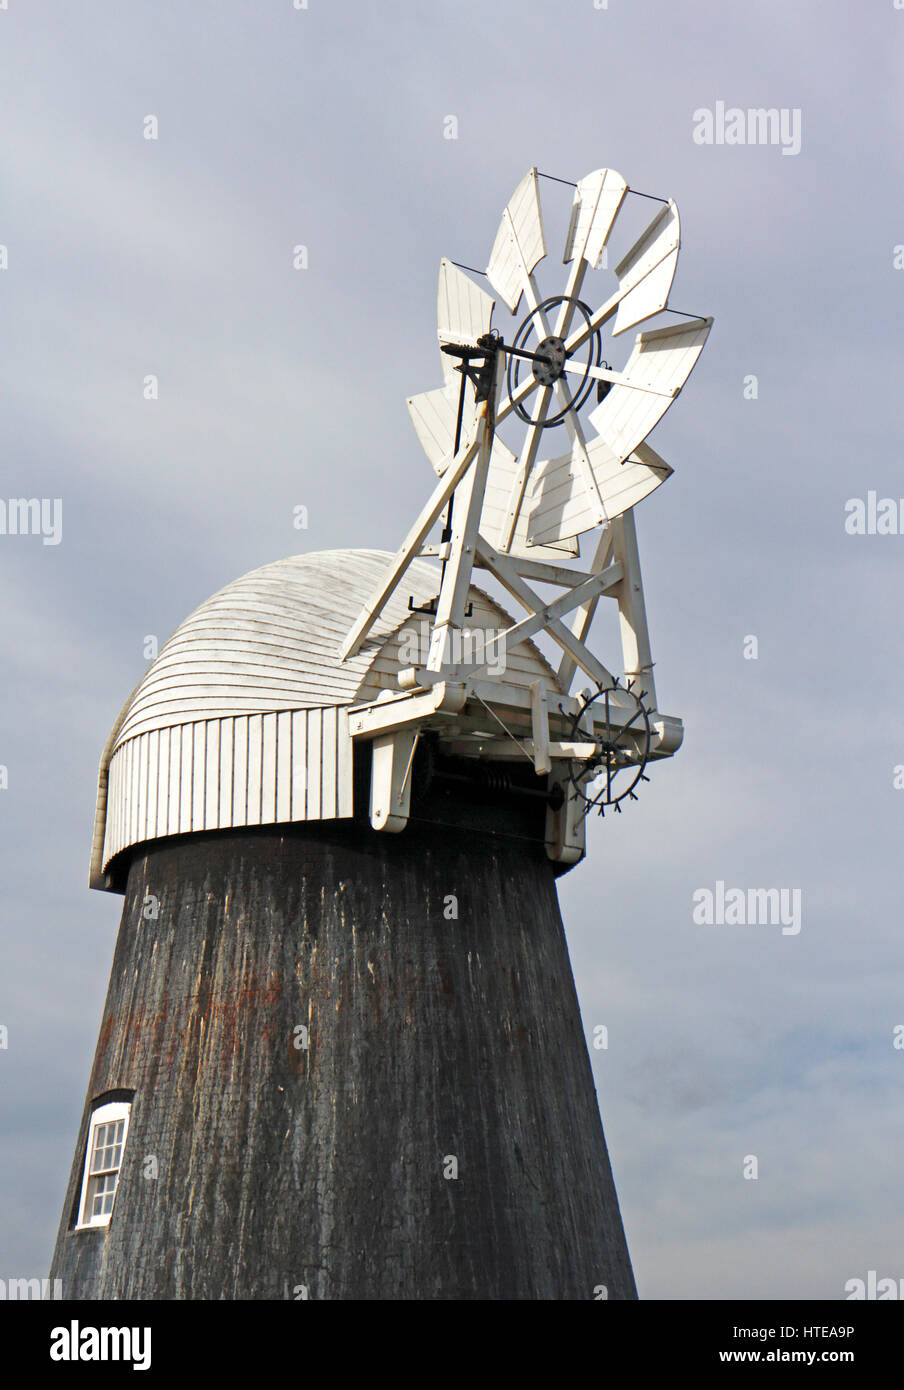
(544, 616)
(414, 540)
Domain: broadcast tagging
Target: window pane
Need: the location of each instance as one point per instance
(101, 1195)
(105, 1153)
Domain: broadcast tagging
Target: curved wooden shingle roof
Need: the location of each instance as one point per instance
(269, 640)
(240, 719)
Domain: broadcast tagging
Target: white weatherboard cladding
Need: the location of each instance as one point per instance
(269, 641)
(241, 718)
(215, 774)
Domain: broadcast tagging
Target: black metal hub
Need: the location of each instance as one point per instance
(549, 360)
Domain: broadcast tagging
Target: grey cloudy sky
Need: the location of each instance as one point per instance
(324, 127)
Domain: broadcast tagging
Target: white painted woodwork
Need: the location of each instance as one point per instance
(452, 599)
(646, 273)
(433, 415)
(268, 641)
(542, 617)
(519, 243)
(249, 714)
(390, 782)
(662, 357)
(383, 715)
(597, 200)
(509, 750)
(242, 718)
(524, 663)
(503, 567)
(463, 314)
(566, 828)
(370, 614)
(668, 736)
(562, 504)
(539, 729)
(632, 613)
(583, 618)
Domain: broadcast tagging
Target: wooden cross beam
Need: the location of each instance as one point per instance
(544, 616)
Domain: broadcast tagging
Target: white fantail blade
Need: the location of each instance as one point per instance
(434, 414)
(597, 200)
(646, 273)
(661, 362)
(495, 521)
(464, 312)
(563, 505)
(526, 460)
(519, 243)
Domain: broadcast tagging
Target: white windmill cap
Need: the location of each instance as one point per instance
(240, 719)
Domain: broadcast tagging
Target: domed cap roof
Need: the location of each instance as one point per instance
(240, 719)
(270, 641)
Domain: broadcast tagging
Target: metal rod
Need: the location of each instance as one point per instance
(651, 196)
(473, 269)
(461, 409)
(520, 352)
(570, 182)
(466, 352)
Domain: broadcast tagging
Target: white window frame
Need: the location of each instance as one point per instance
(110, 1113)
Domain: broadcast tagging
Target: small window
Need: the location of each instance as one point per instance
(103, 1160)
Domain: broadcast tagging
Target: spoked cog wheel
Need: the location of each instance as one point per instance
(622, 735)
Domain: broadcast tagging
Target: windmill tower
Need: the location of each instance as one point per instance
(341, 1053)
